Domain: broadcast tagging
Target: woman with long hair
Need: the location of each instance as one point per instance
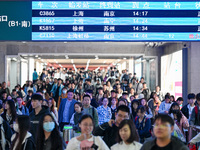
(48, 134)
(52, 107)
(143, 102)
(9, 114)
(179, 118)
(154, 103)
(113, 106)
(22, 139)
(134, 106)
(127, 137)
(86, 140)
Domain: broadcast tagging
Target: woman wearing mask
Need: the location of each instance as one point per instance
(127, 137)
(180, 120)
(22, 139)
(9, 114)
(48, 134)
(63, 95)
(86, 140)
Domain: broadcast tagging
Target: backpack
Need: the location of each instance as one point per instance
(143, 123)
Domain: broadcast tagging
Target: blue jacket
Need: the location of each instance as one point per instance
(143, 127)
(53, 90)
(62, 108)
(35, 75)
(162, 108)
(24, 110)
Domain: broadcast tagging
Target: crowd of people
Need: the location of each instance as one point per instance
(109, 110)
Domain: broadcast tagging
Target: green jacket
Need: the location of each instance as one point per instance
(93, 112)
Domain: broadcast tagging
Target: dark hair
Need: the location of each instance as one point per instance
(134, 101)
(123, 108)
(89, 91)
(179, 99)
(11, 104)
(167, 96)
(70, 90)
(164, 118)
(56, 140)
(145, 106)
(80, 104)
(124, 100)
(141, 108)
(37, 97)
(24, 126)
(53, 104)
(173, 98)
(191, 96)
(179, 114)
(46, 101)
(85, 117)
(30, 91)
(133, 136)
(198, 96)
(86, 95)
(152, 94)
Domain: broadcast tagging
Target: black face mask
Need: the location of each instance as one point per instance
(175, 111)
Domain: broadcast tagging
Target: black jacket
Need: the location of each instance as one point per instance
(8, 133)
(28, 143)
(35, 120)
(177, 144)
(109, 133)
(185, 111)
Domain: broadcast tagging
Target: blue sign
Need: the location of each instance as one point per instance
(99, 20)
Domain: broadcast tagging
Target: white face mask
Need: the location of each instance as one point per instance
(16, 127)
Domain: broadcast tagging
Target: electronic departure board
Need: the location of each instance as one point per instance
(110, 20)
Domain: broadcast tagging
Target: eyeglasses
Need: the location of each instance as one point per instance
(162, 126)
(121, 116)
(88, 125)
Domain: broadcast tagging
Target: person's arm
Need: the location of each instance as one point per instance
(192, 118)
(161, 108)
(195, 139)
(96, 118)
(150, 115)
(8, 131)
(184, 122)
(72, 119)
(73, 144)
(100, 130)
(26, 110)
